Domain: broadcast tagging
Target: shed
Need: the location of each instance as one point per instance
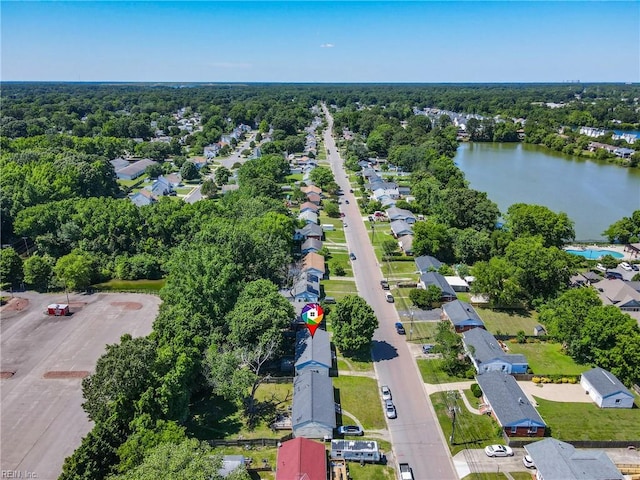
(355, 450)
(301, 458)
(458, 284)
(605, 389)
(314, 409)
(58, 309)
(539, 330)
(313, 353)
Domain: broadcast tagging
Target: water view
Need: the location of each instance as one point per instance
(593, 194)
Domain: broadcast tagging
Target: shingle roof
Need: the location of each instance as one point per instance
(605, 382)
(301, 458)
(399, 213)
(313, 400)
(434, 278)
(316, 349)
(313, 260)
(136, 167)
(461, 313)
(486, 348)
(311, 229)
(425, 263)
(400, 226)
(508, 402)
(312, 243)
(556, 460)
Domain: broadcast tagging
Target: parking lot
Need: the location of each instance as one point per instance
(42, 362)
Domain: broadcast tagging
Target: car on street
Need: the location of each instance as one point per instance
(352, 430)
(635, 267)
(351, 189)
(527, 461)
(352, 256)
(390, 409)
(400, 328)
(427, 347)
(625, 266)
(613, 276)
(498, 451)
(388, 297)
(384, 284)
(347, 202)
(344, 224)
(386, 393)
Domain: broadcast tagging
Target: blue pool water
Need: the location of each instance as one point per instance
(595, 254)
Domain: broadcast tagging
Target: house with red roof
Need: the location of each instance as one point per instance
(301, 458)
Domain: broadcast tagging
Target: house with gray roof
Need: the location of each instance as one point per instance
(509, 405)
(313, 353)
(119, 163)
(308, 217)
(605, 389)
(310, 230)
(395, 213)
(307, 289)
(462, 316)
(434, 278)
(405, 242)
(134, 170)
(427, 263)
(556, 460)
(619, 293)
(161, 187)
(142, 198)
(400, 228)
(314, 408)
(311, 245)
(487, 355)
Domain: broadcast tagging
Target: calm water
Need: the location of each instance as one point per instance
(593, 194)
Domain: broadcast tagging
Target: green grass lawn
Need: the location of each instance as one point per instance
(508, 322)
(336, 236)
(114, 285)
(585, 421)
(355, 364)
(339, 288)
(472, 431)
(256, 454)
(359, 396)
(423, 332)
(371, 472)
(183, 190)
(546, 358)
(431, 371)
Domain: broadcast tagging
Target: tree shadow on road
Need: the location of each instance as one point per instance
(381, 350)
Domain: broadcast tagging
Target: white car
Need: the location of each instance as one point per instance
(527, 461)
(390, 409)
(625, 266)
(498, 451)
(386, 393)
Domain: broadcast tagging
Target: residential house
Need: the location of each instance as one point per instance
(434, 278)
(620, 294)
(388, 203)
(458, 284)
(211, 151)
(161, 187)
(311, 245)
(404, 191)
(314, 408)
(382, 194)
(119, 163)
(462, 316)
(308, 217)
(199, 162)
(400, 228)
(427, 263)
(142, 198)
(487, 355)
(556, 460)
(355, 451)
(301, 459)
(311, 189)
(509, 405)
(314, 263)
(314, 198)
(395, 213)
(310, 230)
(313, 353)
(306, 289)
(309, 206)
(134, 170)
(405, 242)
(624, 152)
(605, 389)
(592, 132)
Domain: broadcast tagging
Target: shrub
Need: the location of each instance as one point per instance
(536, 380)
(476, 390)
(521, 337)
(573, 380)
(338, 269)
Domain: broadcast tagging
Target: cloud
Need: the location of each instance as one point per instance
(327, 45)
(230, 65)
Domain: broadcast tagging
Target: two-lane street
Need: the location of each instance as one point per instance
(415, 434)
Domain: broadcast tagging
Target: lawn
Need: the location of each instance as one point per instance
(339, 288)
(135, 181)
(508, 322)
(423, 332)
(364, 364)
(256, 454)
(359, 396)
(585, 421)
(546, 358)
(472, 431)
(371, 472)
(151, 286)
(334, 236)
(431, 371)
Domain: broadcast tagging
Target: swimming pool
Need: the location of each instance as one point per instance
(592, 254)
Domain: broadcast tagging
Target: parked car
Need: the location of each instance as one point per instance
(390, 409)
(400, 328)
(344, 224)
(427, 347)
(386, 393)
(527, 461)
(347, 202)
(635, 267)
(498, 451)
(613, 276)
(352, 256)
(625, 266)
(352, 430)
(601, 267)
(388, 297)
(384, 284)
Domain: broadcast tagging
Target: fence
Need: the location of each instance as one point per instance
(250, 442)
(278, 380)
(580, 443)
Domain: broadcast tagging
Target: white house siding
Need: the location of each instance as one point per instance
(624, 401)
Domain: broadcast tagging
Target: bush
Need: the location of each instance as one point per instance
(521, 337)
(338, 269)
(476, 390)
(536, 380)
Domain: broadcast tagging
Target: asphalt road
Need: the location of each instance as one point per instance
(415, 433)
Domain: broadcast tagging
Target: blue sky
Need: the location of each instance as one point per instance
(300, 41)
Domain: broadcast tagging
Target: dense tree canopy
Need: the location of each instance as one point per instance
(353, 322)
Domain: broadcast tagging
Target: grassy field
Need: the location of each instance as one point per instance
(431, 371)
(585, 421)
(423, 332)
(364, 364)
(472, 431)
(334, 236)
(338, 288)
(547, 358)
(508, 322)
(371, 472)
(131, 285)
(359, 396)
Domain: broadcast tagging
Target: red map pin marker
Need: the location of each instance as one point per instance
(312, 315)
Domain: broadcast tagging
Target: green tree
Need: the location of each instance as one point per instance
(189, 171)
(75, 270)
(222, 175)
(10, 268)
(432, 238)
(555, 229)
(425, 298)
(389, 247)
(450, 346)
(353, 322)
(154, 171)
(321, 176)
(209, 188)
(332, 209)
(496, 278)
(38, 271)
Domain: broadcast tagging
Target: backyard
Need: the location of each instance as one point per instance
(359, 396)
(508, 322)
(546, 358)
(432, 372)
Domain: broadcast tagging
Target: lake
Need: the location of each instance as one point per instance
(594, 194)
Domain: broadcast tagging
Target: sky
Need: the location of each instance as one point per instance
(315, 41)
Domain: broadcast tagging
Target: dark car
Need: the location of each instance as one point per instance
(427, 347)
(634, 267)
(384, 284)
(614, 276)
(352, 256)
(347, 202)
(400, 328)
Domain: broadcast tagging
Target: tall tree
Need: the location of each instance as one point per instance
(555, 229)
(10, 268)
(353, 322)
(75, 270)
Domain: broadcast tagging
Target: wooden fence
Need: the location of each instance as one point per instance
(247, 443)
